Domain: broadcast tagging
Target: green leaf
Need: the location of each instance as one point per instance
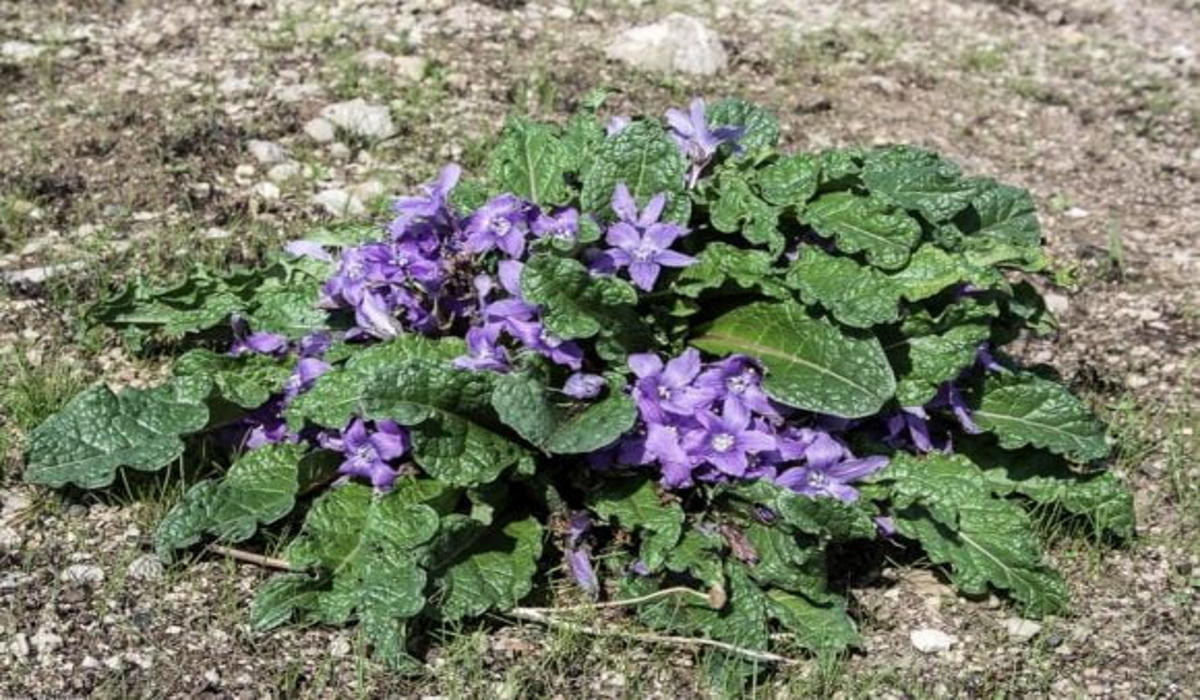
(857, 296)
(99, 431)
(1002, 213)
(839, 167)
(635, 504)
(781, 562)
(289, 311)
(931, 270)
(528, 406)
(720, 263)
(260, 487)
(918, 181)
(583, 135)
(647, 161)
(924, 362)
(760, 127)
(827, 518)
(574, 303)
(698, 554)
(946, 504)
(187, 520)
(529, 161)
(790, 181)
(863, 224)
(488, 568)
(368, 546)
(247, 381)
(278, 599)
(456, 436)
(1028, 410)
(818, 628)
(738, 209)
(809, 363)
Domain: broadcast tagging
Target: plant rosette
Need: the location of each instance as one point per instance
(652, 355)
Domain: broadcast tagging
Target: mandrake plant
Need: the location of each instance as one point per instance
(661, 360)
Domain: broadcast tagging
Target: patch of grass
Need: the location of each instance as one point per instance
(29, 394)
(984, 59)
(836, 46)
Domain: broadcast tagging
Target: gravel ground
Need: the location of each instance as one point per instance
(129, 133)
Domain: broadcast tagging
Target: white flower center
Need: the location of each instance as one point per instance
(355, 269)
(549, 339)
(817, 478)
(501, 226)
(364, 454)
(723, 442)
(644, 252)
(664, 392)
(740, 383)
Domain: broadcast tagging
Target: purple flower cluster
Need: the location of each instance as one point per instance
(370, 449)
(696, 139)
(713, 422)
(640, 241)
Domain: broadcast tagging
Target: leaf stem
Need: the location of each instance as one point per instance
(251, 558)
(664, 593)
(537, 615)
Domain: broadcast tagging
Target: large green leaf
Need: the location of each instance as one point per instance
(931, 270)
(857, 296)
(289, 311)
(866, 225)
(810, 364)
(738, 208)
(529, 161)
(720, 263)
(818, 628)
(790, 181)
(479, 567)
(646, 160)
(924, 362)
(947, 504)
(635, 504)
(99, 431)
(919, 181)
(247, 381)
(1003, 213)
(760, 128)
(575, 303)
(529, 407)
(1025, 409)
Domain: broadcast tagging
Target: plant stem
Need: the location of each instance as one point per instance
(678, 590)
(251, 557)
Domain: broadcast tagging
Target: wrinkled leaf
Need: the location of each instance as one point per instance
(864, 225)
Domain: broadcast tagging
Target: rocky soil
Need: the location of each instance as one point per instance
(142, 136)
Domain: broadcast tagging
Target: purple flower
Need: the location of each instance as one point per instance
(308, 369)
(314, 344)
(949, 396)
(266, 426)
(832, 479)
(432, 208)
(580, 563)
(669, 388)
(738, 378)
(562, 225)
(581, 385)
(885, 525)
(664, 443)
(362, 268)
(640, 242)
(534, 336)
(374, 316)
(483, 353)
(616, 125)
(308, 249)
(694, 137)
(503, 222)
(910, 426)
(986, 360)
(368, 450)
(262, 343)
(725, 441)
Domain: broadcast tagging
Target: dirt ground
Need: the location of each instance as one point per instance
(125, 131)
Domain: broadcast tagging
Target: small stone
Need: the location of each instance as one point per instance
(676, 43)
(19, 646)
(21, 50)
(298, 93)
(38, 275)
(1076, 213)
(361, 118)
(931, 641)
(267, 191)
(410, 68)
(10, 539)
(145, 568)
(284, 172)
(367, 191)
(235, 85)
(87, 574)
(1021, 629)
(89, 662)
(372, 59)
(1057, 303)
(211, 677)
(45, 641)
(1182, 53)
(339, 151)
(243, 172)
(339, 203)
(320, 130)
(267, 152)
(339, 647)
(216, 234)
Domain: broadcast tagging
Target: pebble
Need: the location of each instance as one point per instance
(1077, 213)
(298, 93)
(145, 568)
(267, 152)
(1021, 629)
(267, 191)
(931, 641)
(372, 59)
(284, 172)
(339, 203)
(19, 646)
(82, 573)
(410, 68)
(677, 43)
(367, 191)
(339, 647)
(45, 641)
(10, 539)
(235, 85)
(361, 118)
(320, 130)
(21, 50)
(38, 275)
(216, 234)
(1057, 303)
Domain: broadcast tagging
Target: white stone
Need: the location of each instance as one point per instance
(145, 568)
(320, 130)
(1021, 629)
(284, 172)
(339, 151)
(21, 50)
(339, 203)
(45, 641)
(361, 118)
(82, 573)
(410, 68)
(298, 93)
(10, 539)
(19, 646)
(367, 191)
(1182, 52)
(216, 233)
(1058, 304)
(267, 152)
(267, 191)
(339, 647)
(1076, 213)
(37, 275)
(676, 43)
(235, 85)
(931, 641)
(372, 59)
